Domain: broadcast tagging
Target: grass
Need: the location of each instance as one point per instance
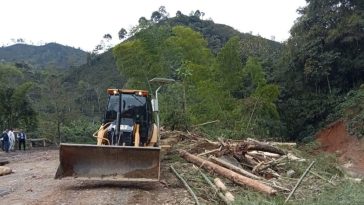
(346, 193)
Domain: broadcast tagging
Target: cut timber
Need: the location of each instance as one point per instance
(269, 164)
(249, 159)
(219, 184)
(228, 195)
(209, 152)
(3, 161)
(233, 168)
(289, 144)
(294, 158)
(231, 160)
(4, 170)
(265, 148)
(222, 197)
(264, 154)
(233, 176)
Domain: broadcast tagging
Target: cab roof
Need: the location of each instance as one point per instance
(112, 91)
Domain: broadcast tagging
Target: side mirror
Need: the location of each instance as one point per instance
(155, 107)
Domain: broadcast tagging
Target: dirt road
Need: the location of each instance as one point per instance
(32, 183)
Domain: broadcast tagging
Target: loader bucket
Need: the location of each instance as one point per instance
(115, 163)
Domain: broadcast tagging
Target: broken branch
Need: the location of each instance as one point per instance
(186, 185)
(299, 181)
(206, 123)
(209, 152)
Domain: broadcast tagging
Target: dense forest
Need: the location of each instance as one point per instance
(247, 85)
(51, 55)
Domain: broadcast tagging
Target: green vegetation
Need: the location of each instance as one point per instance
(208, 87)
(345, 193)
(254, 87)
(15, 105)
(322, 61)
(238, 84)
(352, 110)
(49, 55)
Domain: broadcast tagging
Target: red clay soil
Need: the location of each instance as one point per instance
(336, 139)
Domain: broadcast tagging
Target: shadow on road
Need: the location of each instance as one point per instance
(146, 186)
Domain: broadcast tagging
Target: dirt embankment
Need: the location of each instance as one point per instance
(350, 150)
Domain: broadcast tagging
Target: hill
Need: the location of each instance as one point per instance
(100, 72)
(218, 34)
(48, 55)
(103, 66)
(66, 98)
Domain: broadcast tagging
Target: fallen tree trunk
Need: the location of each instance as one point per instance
(233, 168)
(3, 161)
(245, 173)
(209, 152)
(264, 148)
(291, 144)
(4, 170)
(264, 154)
(233, 176)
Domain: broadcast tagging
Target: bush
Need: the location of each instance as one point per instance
(80, 131)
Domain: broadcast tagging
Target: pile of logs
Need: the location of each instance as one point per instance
(249, 163)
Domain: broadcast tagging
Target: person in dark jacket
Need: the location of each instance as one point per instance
(6, 141)
(21, 138)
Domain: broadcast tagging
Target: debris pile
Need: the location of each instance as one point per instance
(261, 166)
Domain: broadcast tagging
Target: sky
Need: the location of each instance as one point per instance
(83, 23)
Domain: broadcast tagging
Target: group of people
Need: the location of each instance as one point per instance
(8, 140)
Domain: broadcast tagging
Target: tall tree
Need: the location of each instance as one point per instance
(15, 107)
(258, 110)
(323, 60)
(229, 72)
(122, 33)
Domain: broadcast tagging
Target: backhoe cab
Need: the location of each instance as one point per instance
(127, 143)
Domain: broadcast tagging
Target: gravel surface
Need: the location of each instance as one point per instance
(33, 183)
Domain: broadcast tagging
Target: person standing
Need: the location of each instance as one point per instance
(11, 139)
(21, 139)
(2, 141)
(6, 142)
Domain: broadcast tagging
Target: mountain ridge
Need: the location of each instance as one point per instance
(49, 55)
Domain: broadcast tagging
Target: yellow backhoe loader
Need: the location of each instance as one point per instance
(127, 146)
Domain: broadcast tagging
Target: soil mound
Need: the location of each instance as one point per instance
(350, 150)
